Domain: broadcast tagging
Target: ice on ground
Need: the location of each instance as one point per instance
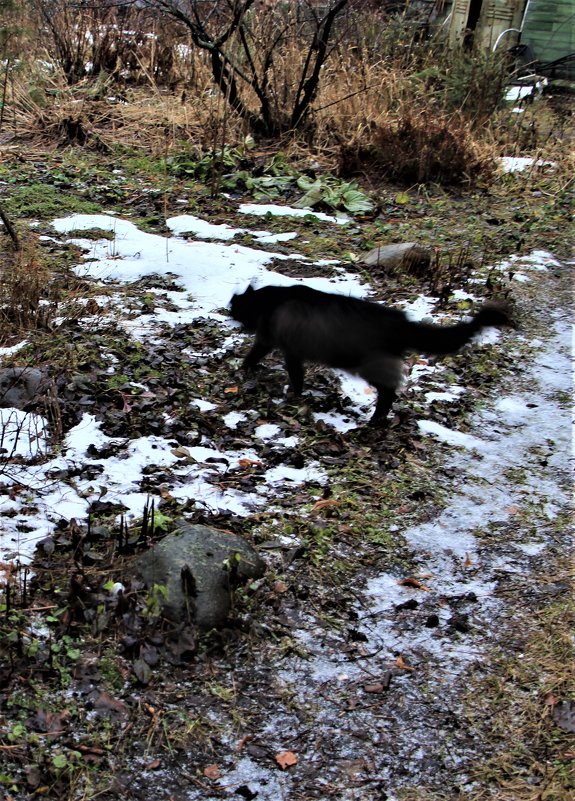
(451, 437)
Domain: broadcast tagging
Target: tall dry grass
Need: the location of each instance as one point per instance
(392, 102)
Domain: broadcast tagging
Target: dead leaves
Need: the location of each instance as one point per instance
(245, 463)
(410, 581)
(378, 686)
(326, 503)
(54, 724)
(108, 706)
(212, 772)
(286, 759)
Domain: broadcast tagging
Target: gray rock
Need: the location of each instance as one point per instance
(405, 255)
(199, 566)
(19, 386)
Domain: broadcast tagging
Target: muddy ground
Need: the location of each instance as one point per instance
(398, 646)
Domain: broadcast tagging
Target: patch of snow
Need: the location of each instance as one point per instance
(271, 239)
(460, 294)
(232, 419)
(338, 421)
(276, 210)
(448, 396)
(297, 475)
(267, 431)
(360, 393)
(521, 163)
(22, 434)
(208, 273)
(262, 784)
(420, 308)
(203, 405)
(489, 336)
(10, 351)
(532, 548)
(451, 437)
(188, 223)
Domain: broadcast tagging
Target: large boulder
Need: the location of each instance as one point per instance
(199, 567)
(19, 386)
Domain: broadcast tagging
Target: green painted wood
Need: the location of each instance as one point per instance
(549, 29)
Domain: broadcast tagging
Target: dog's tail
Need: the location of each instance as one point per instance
(437, 340)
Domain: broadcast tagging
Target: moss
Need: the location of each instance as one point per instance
(44, 202)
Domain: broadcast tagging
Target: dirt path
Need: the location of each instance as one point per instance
(400, 702)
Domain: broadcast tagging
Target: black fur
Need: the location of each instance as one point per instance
(358, 336)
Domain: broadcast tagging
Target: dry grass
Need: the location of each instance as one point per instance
(24, 305)
(379, 91)
(537, 763)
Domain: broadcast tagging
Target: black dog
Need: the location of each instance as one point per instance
(358, 336)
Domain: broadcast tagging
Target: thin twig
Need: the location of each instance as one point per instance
(11, 230)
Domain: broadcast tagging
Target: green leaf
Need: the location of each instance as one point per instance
(60, 761)
(356, 202)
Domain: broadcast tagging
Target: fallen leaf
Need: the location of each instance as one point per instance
(142, 671)
(323, 504)
(468, 560)
(153, 765)
(374, 688)
(231, 390)
(245, 739)
(286, 759)
(413, 582)
(245, 463)
(53, 724)
(402, 198)
(107, 704)
(550, 699)
(280, 587)
(212, 772)
(399, 662)
(181, 452)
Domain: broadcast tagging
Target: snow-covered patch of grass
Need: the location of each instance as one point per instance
(22, 434)
(261, 210)
(208, 273)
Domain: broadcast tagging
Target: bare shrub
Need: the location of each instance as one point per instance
(266, 58)
(123, 41)
(418, 148)
(24, 305)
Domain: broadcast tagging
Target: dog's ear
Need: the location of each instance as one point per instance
(250, 289)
